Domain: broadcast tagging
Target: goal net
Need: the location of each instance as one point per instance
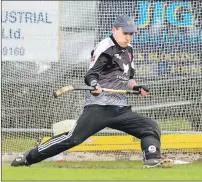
(167, 58)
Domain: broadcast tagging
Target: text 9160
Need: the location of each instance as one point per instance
(13, 51)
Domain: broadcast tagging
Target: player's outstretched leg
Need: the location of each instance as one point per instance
(85, 127)
(52, 147)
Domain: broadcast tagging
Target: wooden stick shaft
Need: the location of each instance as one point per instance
(120, 91)
(71, 88)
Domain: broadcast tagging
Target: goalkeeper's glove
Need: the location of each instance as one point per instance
(96, 85)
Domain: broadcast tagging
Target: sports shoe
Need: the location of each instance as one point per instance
(162, 163)
(20, 160)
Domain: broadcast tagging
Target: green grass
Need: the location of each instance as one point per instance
(119, 170)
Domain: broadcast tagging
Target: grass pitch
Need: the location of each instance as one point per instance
(100, 170)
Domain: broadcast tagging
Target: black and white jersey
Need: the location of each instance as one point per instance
(111, 65)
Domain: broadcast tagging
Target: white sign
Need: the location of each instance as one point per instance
(30, 31)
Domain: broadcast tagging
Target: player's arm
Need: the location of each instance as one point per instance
(92, 76)
(133, 84)
(95, 69)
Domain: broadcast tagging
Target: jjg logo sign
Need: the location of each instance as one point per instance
(175, 13)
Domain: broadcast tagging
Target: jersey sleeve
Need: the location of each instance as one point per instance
(96, 67)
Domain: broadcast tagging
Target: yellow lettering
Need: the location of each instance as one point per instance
(153, 57)
(195, 57)
(173, 69)
(195, 69)
(172, 56)
(139, 56)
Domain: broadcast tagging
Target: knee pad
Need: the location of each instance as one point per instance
(150, 147)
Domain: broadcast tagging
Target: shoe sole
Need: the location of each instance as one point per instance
(165, 163)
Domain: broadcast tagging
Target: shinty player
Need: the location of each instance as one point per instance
(111, 67)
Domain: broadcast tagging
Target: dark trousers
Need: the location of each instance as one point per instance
(93, 119)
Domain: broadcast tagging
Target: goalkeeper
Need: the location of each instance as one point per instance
(111, 67)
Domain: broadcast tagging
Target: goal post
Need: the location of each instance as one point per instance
(38, 58)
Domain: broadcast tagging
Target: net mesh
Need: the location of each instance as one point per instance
(167, 58)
